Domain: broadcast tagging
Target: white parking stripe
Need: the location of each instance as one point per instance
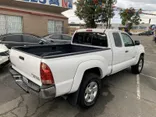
(138, 88)
(148, 76)
(151, 54)
(151, 62)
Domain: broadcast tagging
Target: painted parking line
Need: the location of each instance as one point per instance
(138, 88)
(150, 62)
(151, 54)
(148, 76)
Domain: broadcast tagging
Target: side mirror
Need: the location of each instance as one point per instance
(137, 42)
(41, 42)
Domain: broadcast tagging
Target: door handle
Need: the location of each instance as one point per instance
(126, 51)
(22, 58)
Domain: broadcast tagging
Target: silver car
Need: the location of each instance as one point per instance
(58, 38)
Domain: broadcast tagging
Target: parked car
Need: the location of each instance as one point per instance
(127, 31)
(4, 55)
(135, 33)
(76, 69)
(12, 40)
(58, 38)
(130, 33)
(146, 33)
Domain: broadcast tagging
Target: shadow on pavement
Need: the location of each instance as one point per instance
(105, 97)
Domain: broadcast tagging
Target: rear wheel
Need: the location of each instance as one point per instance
(136, 69)
(89, 90)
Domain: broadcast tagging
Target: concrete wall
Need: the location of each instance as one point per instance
(36, 24)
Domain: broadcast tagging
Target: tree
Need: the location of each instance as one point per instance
(92, 11)
(108, 12)
(130, 17)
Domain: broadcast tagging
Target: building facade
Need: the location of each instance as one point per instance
(33, 18)
(136, 29)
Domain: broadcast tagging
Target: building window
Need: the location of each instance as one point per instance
(55, 27)
(10, 24)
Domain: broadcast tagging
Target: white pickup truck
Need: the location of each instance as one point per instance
(76, 69)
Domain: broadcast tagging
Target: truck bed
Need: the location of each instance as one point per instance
(53, 51)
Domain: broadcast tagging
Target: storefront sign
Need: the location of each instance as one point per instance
(61, 3)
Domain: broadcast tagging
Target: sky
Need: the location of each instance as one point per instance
(137, 4)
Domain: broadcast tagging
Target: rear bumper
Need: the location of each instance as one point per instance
(45, 92)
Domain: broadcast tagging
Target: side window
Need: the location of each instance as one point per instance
(56, 37)
(127, 40)
(117, 40)
(14, 38)
(30, 39)
(2, 39)
(65, 37)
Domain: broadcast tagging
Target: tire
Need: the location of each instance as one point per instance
(137, 69)
(87, 97)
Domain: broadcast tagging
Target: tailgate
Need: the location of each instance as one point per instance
(27, 65)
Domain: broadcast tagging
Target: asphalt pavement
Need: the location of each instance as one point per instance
(123, 94)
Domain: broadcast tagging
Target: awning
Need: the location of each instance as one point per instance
(33, 6)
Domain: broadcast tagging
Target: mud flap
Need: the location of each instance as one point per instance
(73, 98)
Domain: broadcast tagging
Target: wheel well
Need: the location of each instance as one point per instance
(95, 70)
(142, 54)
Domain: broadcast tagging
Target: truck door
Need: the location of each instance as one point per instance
(129, 49)
(118, 53)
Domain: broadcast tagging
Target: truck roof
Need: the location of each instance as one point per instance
(98, 30)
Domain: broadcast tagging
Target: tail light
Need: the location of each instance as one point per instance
(46, 74)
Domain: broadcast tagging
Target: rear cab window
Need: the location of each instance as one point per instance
(91, 38)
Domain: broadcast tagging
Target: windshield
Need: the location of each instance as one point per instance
(91, 38)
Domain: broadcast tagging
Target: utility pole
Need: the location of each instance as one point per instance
(109, 13)
(109, 5)
(149, 21)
